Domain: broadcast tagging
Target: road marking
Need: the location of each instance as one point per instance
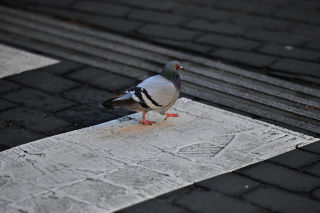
(14, 61)
(119, 163)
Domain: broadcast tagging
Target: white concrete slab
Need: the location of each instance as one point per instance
(119, 163)
(14, 61)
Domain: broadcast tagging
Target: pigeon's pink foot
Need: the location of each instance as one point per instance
(144, 121)
(171, 115)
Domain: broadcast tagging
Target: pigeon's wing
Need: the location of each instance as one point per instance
(154, 93)
(131, 100)
(158, 92)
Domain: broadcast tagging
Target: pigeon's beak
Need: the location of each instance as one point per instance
(181, 68)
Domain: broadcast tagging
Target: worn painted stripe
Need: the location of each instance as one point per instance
(119, 163)
(14, 61)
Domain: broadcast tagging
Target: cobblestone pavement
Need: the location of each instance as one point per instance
(55, 99)
(279, 38)
(274, 37)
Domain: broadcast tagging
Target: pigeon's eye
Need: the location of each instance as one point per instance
(177, 67)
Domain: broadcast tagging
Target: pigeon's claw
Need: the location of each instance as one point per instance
(144, 121)
(147, 122)
(171, 115)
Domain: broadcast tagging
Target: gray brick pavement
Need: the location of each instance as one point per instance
(264, 29)
(44, 81)
(102, 79)
(38, 99)
(246, 58)
(230, 184)
(282, 201)
(296, 159)
(55, 99)
(207, 202)
(101, 8)
(6, 86)
(282, 177)
(228, 42)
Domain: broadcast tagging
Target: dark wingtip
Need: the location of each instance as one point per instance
(107, 104)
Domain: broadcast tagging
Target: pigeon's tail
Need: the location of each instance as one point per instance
(109, 104)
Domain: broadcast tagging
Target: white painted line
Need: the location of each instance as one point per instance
(14, 61)
(119, 163)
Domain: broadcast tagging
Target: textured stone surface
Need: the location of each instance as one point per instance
(270, 24)
(256, 60)
(119, 163)
(156, 17)
(230, 184)
(44, 81)
(5, 105)
(229, 42)
(6, 86)
(207, 202)
(14, 137)
(86, 95)
(296, 159)
(299, 67)
(101, 8)
(102, 79)
(282, 177)
(32, 119)
(168, 32)
(273, 199)
(37, 99)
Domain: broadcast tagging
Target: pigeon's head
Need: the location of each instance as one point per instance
(172, 66)
(171, 71)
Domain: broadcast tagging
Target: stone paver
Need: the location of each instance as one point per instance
(32, 119)
(101, 8)
(15, 137)
(5, 105)
(314, 169)
(242, 57)
(278, 200)
(37, 99)
(49, 101)
(230, 184)
(275, 26)
(6, 86)
(206, 202)
(87, 95)
(296, 159)
(282, 177)
(44, 81)
(102, 79)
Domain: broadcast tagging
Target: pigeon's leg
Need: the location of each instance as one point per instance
(170, 115)
(144, 121)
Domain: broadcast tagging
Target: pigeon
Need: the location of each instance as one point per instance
(157, 93)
